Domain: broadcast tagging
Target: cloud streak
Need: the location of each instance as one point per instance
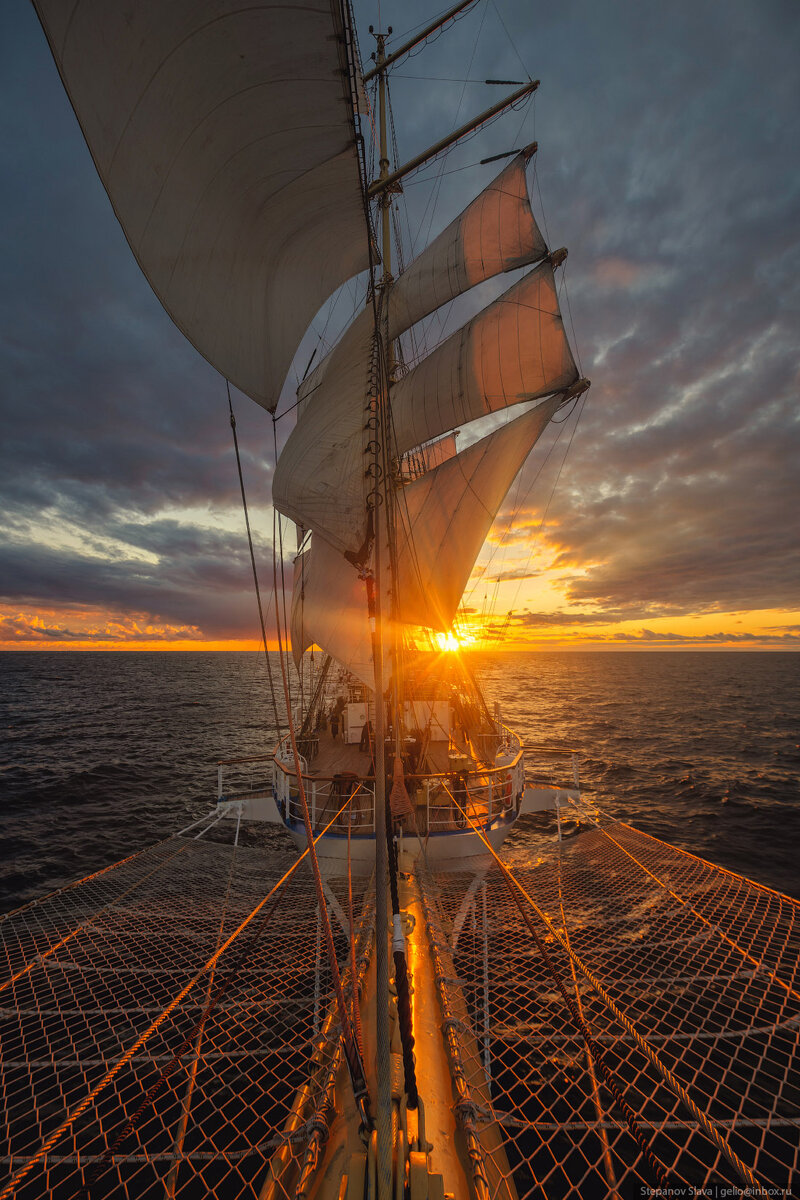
(671, 182)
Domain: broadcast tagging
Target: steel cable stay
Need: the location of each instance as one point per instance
(404, 1016)
(90, 1100)
(253, 561)
(752, 1186)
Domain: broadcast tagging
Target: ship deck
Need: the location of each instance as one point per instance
(335, 756)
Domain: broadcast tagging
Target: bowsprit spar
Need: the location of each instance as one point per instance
(395, 1011)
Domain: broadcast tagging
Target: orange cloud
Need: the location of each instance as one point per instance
(621, 272)
(75, 629)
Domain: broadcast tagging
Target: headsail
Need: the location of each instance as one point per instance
(223, 134)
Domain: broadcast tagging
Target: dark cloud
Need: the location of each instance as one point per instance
(202, 571)
(666, 164)
(651, 637)
(544, 620)
(514, 573)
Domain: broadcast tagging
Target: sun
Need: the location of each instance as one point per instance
(448, 642)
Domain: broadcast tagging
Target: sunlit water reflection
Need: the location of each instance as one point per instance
(104, 753)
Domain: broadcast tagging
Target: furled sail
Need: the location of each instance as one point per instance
(444, 517)
(224, 137)
(320, 480)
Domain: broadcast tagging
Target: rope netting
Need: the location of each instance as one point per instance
(196, 974)
(163, 1010)
(685, 978)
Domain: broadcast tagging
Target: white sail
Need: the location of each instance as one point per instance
(512, 351)
(444, 517)
(495, 233)
(320, 479)
(329, 609)
(224, 137)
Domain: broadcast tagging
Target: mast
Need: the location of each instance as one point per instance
(385, 201)
(380, 516)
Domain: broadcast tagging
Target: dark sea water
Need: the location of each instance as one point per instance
(103, 753)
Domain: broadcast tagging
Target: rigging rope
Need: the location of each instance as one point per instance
(753, 1186)
(355, 998)
(253, 561)
(352, 1054)
(404, 1018)
(192, 1041)
(121, 1062)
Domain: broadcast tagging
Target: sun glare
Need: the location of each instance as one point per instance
(448, 642)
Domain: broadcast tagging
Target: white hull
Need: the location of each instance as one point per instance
(446, 850)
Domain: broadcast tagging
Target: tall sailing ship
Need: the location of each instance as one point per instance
(395, 1011)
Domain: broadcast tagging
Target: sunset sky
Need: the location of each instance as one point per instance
(668, 164)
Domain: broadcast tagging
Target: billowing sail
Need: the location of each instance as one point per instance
(514, 350)
(495, 233)
(329, 609)
(320, 480)
(224, 137)
(444, 517)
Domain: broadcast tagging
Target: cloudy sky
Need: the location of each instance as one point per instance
(663, 513)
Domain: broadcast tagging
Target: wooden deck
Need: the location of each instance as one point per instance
(335, 755)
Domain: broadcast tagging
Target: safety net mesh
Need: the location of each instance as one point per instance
(684, 977)
(120, 1031)
(169, 1011)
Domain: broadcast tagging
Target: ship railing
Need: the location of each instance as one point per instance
(492, 793)
(486, 798)
(325, 797)
(244, 778)
(543, 752)
(509, 738)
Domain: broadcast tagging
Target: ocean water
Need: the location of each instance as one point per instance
(103, 753)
